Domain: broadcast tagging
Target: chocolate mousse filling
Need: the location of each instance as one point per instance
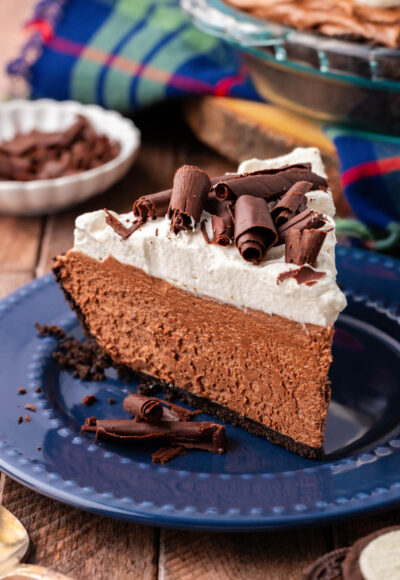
(253, 373)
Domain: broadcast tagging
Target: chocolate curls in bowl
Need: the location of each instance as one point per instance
(45, 155)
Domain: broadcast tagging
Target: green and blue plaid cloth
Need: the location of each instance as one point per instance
(126, 54)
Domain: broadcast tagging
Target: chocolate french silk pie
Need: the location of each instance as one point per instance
(223, 288)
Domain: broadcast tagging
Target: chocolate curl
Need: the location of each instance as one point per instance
(268, 183)
(156, 205)
(254, 229)
(222, 230)
(207, 436)
(308, 218)
(74, 131)
(303, 275)
(290, 203)
(303, 246)
(151, 411)
(145, 408)
(221, 221)
(134, 403)
(152, 206)
(119, 227)
(165, 454)
(189, 192)
(18, 168)
(19, 145)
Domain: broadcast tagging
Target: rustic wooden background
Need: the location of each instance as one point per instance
(86, 546)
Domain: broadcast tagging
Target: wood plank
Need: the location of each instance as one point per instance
(259, 556)
(80, 544)
(20, 241)
(2, 484)
(348, 532)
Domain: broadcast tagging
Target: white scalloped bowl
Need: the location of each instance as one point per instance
(51, 195)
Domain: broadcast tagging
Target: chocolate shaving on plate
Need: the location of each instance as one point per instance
(89, 400)
(165, 454)
(145, 408)
(133, 405)
(303, 275)
(303, 246)
(290, 203)
(268, 183)
(206, 435)
(151, 411)
(189, 193)
(254, 229)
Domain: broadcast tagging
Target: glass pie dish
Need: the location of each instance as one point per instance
(333, 80)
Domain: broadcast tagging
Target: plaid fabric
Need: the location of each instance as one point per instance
(370, 171)
(126, 54)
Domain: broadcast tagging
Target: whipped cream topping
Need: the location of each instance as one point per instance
(188, 262)
(380, 559)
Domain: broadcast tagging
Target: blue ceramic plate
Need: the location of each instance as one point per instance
(256, 485)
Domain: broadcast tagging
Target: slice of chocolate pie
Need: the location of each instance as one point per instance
(224, 289)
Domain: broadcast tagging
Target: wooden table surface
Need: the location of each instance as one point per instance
(87, 546)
